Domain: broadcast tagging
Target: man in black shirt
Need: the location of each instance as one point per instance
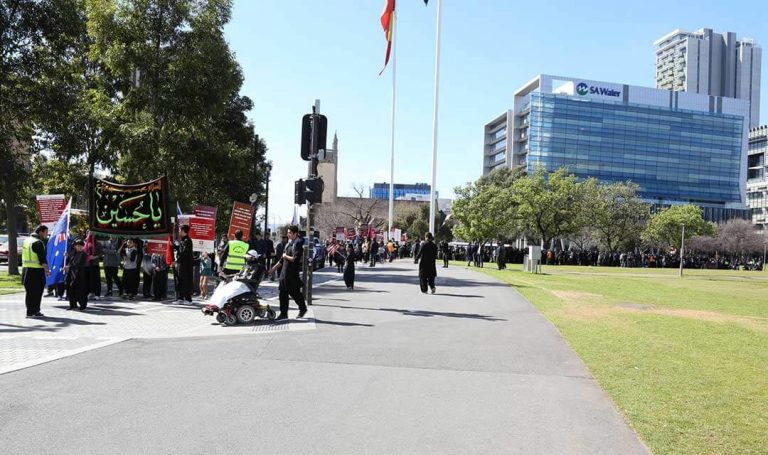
(35, 269)
(290, 265)
(184, 265)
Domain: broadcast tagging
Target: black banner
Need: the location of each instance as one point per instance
(129, 210)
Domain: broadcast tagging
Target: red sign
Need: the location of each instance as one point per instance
(50, 207)
(204, 211)
(202, 231)
(156, 245)
(242, 218)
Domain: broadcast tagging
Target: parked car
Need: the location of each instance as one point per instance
(4, 246)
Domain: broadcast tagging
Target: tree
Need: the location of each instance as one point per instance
(665, 227)
(416, 224)
(177, 101)
(617, 215)
(360, 210)
(739, 237)
(485, 210)
(21, 36)
(549, 204)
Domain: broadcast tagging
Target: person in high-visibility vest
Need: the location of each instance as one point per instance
(35, 270)
(234, 256)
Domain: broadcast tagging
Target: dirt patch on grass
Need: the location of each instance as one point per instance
(754, 323)
(589, 306)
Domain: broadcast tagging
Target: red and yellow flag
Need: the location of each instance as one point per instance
(388, 24)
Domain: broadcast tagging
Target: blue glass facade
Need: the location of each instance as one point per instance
(381, 190)
(673, 155)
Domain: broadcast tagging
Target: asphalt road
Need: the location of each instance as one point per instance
(474, 369)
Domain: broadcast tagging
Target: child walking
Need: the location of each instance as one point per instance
(206, 271)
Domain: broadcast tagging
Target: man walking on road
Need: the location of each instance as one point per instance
(427, 257)
(290, 283)
(34, 271)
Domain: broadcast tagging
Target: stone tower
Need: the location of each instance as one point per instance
(328, 170)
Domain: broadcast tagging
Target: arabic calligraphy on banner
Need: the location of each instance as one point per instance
(139, 210)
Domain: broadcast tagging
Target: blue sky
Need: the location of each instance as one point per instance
(295, 51)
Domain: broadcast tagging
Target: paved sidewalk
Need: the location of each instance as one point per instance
(27, 342)
(474, 369)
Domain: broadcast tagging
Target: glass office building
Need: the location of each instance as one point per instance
(678, 155)
(678, 147)
(403, 191)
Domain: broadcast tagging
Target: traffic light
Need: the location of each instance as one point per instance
(299, 192)
(314, 190)
(313, 125)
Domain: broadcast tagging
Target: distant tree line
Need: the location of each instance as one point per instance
(509, 204)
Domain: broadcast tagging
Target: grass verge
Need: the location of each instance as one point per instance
(10, 284)
(685, 359)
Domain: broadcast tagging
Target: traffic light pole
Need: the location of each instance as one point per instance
(309, 245)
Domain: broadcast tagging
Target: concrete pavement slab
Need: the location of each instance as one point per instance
(472, 369)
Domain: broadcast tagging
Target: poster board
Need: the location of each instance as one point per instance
(242, 218)
(49, 208)
(202, 232)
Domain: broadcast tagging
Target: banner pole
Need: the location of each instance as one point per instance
(392, 138)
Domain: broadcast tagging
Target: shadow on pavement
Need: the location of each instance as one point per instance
(339, 323)
(421, 313)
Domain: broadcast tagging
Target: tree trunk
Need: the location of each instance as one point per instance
(10, 204)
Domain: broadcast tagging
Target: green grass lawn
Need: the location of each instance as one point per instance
(10, 284)
(685, 359)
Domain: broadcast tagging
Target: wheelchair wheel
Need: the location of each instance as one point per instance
(261, 311)
(230, 319)
(220, 317)
(246, 314)
(271, 315)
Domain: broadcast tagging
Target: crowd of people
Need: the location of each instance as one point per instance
(147, 274)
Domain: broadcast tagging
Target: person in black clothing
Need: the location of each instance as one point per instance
(445, 250)
(279, 250)
(427, 257)
(374, 250)
(184, 265)
(77, 276)
(160, 277)
(416, 249)
(349, 268)
(270, 256)
(147, 271)
(33, 275)
(290, 266)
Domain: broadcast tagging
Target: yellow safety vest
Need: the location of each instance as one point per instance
(236, 254)
(29, 258)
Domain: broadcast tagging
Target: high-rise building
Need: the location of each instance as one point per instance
(757, 176)
(678, 147)
(711, 64)
(403, 191)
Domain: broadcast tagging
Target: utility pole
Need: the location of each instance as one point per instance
(682, 250)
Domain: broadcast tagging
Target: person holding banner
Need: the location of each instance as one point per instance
(35, 270)
(76, 267)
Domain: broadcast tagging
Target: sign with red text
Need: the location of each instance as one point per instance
(242, 218)
(202, 232)
(49, 208)
(341, 234)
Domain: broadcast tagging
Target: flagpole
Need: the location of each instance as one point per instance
(434, 122)
(392, 138)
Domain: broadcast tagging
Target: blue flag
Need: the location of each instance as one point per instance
(57, 248)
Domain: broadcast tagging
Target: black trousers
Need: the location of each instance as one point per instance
(445, 260)
(94, 279)
(160, 284)
(77, 291)
(146, 286)
(34, 284)
(185, 282)
(291, 287)
(426, 281)
(131, 281)
(110, 274)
